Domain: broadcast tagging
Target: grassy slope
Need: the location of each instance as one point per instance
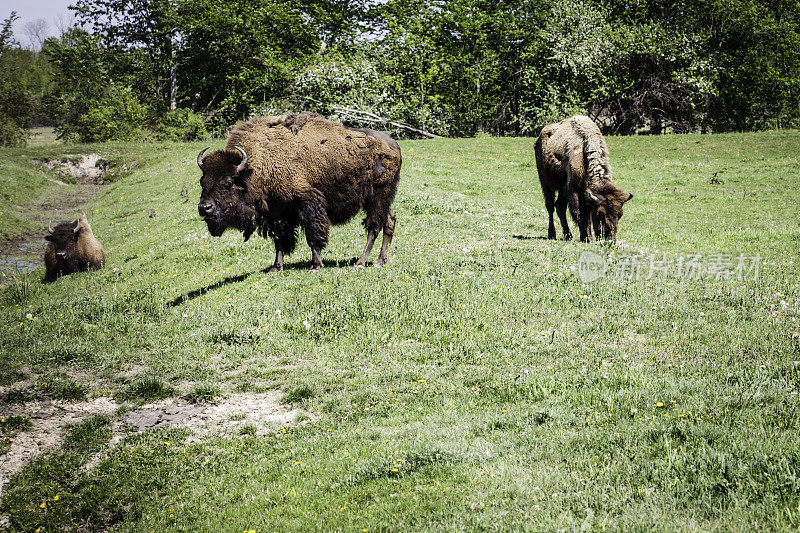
(474, 382)
(20, 183)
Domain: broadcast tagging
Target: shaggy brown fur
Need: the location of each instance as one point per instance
(72, 247)
(302, 171)
(572, 159)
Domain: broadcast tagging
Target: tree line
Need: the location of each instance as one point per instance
(186, 68)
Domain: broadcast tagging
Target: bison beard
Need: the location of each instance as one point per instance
(278, 174)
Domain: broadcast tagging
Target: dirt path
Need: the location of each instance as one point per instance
(24, 253)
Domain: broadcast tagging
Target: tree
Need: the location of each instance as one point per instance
(139, 39)
(15, 105)
(36, 30)
(236, 55)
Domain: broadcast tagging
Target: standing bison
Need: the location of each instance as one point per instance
(572, 158)
(278, 173)
(72, 247)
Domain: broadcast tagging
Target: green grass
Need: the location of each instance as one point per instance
(473, 383)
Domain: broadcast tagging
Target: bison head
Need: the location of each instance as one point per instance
(224, 201)
(606, 209)
(64, 239)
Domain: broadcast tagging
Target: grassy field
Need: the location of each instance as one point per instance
(474, 383)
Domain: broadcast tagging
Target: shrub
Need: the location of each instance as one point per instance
(11, 134)
(118, 117)
(181, 125)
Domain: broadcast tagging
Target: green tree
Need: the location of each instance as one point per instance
(237, 55)
(15, 102)
(139, 40)
(78, 62)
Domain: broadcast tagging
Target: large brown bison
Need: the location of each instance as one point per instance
(72, 247)
(300, 170)
(572, 159)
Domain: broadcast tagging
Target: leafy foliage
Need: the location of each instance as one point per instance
(119, 116)
(453, 67)
(181, 125)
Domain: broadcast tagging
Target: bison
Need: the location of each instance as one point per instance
(301, 170)
(72, 247)
(572, 158)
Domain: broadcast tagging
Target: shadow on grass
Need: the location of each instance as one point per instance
(191, 295)
(298, 265)
(529, 238)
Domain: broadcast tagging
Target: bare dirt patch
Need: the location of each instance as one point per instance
(48, 419)
(84, 169)
(252, 414)
(262, 412)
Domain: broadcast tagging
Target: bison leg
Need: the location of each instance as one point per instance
(580, 212)
(372, 234)
(596, 224)
(316, 225)
(283, 235)
(549, 203)
(379, 217)
(577, 212)
(561, 209)
(277, 266)
(584, 222)
(388, 233)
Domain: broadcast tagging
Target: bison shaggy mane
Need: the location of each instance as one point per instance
(280, 173)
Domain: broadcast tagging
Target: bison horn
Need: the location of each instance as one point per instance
(243, 164)
(592, 197)
(200, 157)
(77, 225)
(50, 227)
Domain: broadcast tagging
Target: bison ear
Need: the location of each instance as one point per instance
(48, 238)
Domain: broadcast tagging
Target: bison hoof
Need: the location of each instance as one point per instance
(273, 268)
(359, 265)
(315, 268)
(568, 236)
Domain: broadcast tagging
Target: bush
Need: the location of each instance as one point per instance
(11, 134)
(118, 117)
(181, 125)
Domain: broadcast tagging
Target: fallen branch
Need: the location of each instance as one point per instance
(358, 114)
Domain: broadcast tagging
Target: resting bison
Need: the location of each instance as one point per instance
(278, 173)
(572, 158)
(72, 247)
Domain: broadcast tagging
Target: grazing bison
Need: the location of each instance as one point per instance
(72, 247)
(572, 158)
(300, 170)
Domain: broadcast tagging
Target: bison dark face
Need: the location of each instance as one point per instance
(64, 238)
(224, 201)
(606, 209)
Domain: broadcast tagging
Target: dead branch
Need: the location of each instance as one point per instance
(358, 114)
